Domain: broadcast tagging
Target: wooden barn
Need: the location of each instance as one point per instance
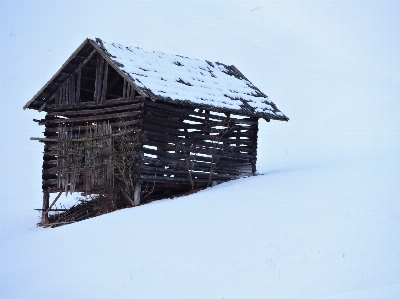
(146, 124)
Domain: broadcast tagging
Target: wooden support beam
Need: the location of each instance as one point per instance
(88, 105)
(88, 58)
(104, 87)
(52, 204)
(45, 215)
(183, 110)
(72, 89)
(124, 90)
(136, 195)
(97, 111)
(93, 118)
(78, 85)
(51, 131)
(99, 78)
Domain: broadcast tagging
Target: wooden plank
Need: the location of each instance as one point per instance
(45, 207)
(93, 118)
(179, 124)
(81, 129)
(194, 173)
(104, 89)
(118, 101)
(186, 110)
(52, 204)
(97, 111)
(200, 149)
(124, 90)
(66, 93)
(45, 102)
(180, 164)
(88, 58)
(73, 86)
(82, 138)
(176, 119)
(151, 178)
(99, 77)
(100, 82)
(199, 138)
(157, 128)
(136, 195)
(198, 146)
(131, 91)
(78, 85)
(192, 156)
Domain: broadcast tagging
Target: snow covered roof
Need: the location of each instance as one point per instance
(173, 77)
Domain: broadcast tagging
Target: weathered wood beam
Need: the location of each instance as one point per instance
(153, 129)
(53, 130)
(97, 111)
(52, 204)
(181, 164)
(78, 85)
(81, 139)
(186, 110)
(193, 156)
(104, 87)
(113, 102)
(99, 78)
(88, 58)
(93, 118)
(45, 215)
(136, 195)
(195, 172)
(124, 90)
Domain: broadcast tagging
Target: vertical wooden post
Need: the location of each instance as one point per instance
(99, 79)
(124, 90)
(78, 85)
(45, 215)
(255, 137)
(136, 195)
(104, 87)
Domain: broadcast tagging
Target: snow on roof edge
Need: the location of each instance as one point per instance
(179, 78)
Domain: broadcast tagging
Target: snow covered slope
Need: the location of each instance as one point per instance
(307, 232)
(322, 222)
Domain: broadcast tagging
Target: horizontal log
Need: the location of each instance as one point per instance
(83, 139)
(150, 178)
(180, 117)
(174, 123)
(201, 139)
(187, 110)
(202, 147)
(97, 111)
(50, 182)
(229, 155)
(93, 118)
(91, 104)
(160, 129)
(53, 130)
(185, 172)
(181, 164)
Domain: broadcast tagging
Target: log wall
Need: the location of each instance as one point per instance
(195, 148)
(183, 147)
(81, 133)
